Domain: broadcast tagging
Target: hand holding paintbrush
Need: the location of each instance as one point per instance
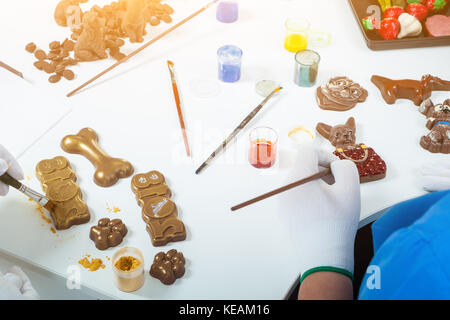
(10, 173)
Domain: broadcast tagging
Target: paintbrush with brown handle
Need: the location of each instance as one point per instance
(36, 196)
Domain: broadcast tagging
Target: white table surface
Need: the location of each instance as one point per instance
(245, 255)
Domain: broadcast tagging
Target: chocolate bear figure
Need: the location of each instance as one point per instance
(438, 116)
(370, 165)
(158, 211)
(58, 182)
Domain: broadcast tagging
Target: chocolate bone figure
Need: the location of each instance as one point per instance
(416, 91)
(58, 181)
(168, 267)
(109, 170)
(108, 233)
(158, 211)
(340, 94)
(370, 165)
(438, 116)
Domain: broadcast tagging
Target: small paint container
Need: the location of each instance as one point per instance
(263, 147)
(230, 59)
(132, 279)
(297, 30)
(306, 68)
(227, 11)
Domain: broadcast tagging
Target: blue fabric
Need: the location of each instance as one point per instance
(412, 251)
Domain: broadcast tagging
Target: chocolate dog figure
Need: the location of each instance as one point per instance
(414, 90)
(438, 140)
(370, 165)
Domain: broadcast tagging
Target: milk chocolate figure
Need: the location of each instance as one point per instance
(370, 166)
(416, 91)
(438, 116)
(91, 43)
(64, 10)
(134, 20)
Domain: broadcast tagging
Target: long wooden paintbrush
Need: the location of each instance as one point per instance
(176, 95)
(316, 176)
(11, 69)
(36, 196)
(142, 48)
(236, 131)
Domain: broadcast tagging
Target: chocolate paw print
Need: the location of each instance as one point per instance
(167, 267)
(108, 233)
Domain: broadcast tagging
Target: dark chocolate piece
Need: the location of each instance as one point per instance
(58, 182)
(108, 233)
(340, 94)
(438, 116)
(370, 165)
(158, 211)
(168, 267)
(414, 90)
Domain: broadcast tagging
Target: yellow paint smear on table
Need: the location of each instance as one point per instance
(92, 265)
(113, 209)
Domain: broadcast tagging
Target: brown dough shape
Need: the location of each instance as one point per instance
(369, 164)
(58, 182)
(109, 170)
(108, 233)
(414, 90)
(340, 94)
(168, 267)
(134, 20)
(438, 116)
(158, 211)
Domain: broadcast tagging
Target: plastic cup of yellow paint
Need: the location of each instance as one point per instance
(297, 30)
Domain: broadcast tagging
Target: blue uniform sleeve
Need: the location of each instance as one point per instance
(412, 256)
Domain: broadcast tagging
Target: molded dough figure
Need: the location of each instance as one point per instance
(91, 43)
(134, 20)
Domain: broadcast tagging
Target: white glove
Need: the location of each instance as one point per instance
(322, 219)
(15, 285)
(436, 176)
(8, 163)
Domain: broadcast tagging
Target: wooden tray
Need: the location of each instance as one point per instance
(376, 42)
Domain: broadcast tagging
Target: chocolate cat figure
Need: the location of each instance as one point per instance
(438, 140)
(134, 20)
(91, 43)
(370, 165)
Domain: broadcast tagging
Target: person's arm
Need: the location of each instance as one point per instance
(322, 221)
(326, 286)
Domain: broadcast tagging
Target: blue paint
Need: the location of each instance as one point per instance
(230, 58)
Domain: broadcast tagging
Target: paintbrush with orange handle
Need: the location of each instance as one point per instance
(39, 198)
(176, 94)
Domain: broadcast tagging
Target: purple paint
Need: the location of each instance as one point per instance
(230, 58)
(227, 11)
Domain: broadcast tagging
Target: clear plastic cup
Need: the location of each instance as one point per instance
(306, 68)
(263, 147)
(128, 281)
(230, 60)
(227, 11)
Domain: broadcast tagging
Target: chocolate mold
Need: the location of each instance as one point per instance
(109, 170)
(58, 182)
(370, 165)
(158, 211)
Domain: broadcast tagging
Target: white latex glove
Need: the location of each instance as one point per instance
(15, 285)
(436, 176)
(8, 163)
(322, 219)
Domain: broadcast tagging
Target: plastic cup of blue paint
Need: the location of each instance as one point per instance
(306, 68)
(230, 59)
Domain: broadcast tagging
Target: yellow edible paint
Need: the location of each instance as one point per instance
(295, 42)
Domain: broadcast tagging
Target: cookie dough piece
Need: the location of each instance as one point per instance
(58, 182)
(158, 211)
